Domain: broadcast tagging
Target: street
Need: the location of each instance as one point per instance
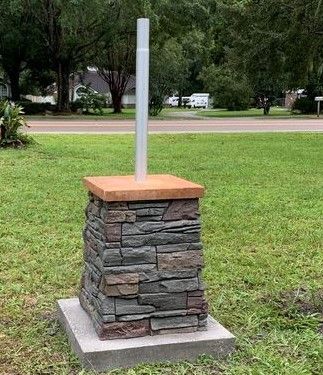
(233, 125)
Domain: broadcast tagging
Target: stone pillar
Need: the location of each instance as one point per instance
(142, 298)
(143, 257)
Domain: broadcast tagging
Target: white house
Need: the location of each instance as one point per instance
(95, 82)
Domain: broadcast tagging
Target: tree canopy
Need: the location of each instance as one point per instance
(232, 48)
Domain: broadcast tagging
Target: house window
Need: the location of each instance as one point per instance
(3, 91)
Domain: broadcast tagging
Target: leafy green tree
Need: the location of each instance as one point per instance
(229, 89)
(256, 49)
(193, 24)
(277, 44)
(303, 31)
(168, 69)
(71, 31)
(116, 59)
(169, 20)
(116, 55)
(18, 41)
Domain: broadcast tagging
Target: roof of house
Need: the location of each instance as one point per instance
(96, 82)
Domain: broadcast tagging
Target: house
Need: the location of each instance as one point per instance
(94, 81)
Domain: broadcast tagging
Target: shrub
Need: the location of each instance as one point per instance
(31, 108)
(89, 100)
(11, 121)
(76, 105)
(156, 104)
(305, 105)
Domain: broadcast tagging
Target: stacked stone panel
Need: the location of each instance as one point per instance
(143, 264)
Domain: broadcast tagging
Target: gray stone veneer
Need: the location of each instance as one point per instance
(143, 264)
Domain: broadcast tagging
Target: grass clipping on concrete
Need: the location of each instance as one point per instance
(262, 231)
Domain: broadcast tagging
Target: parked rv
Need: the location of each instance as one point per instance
(200, 101)
(194, 101)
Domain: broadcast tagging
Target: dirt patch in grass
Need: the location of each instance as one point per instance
(304, 301)
(303, 305)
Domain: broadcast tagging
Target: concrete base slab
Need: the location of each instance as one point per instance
(105, 355)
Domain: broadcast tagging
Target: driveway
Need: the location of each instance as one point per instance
(236, 125)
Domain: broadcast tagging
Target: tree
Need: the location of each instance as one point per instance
(169, 22)
(71, 30)
(191, 25)
(256, 49)
(116, 65)
(277, 44)
(229, 89)
(168, 70)
(18, 41)
(116, 60)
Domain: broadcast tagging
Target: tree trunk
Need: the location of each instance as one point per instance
(14, 76)
(267, 109)
(63, 87)
(116, 102)
(180, 100)
(2, 132)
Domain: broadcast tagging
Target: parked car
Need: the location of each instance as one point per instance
(173, 101)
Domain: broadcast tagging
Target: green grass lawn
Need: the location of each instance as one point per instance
(253, 112)
(168, 113)
(262, 231)
(127, 114)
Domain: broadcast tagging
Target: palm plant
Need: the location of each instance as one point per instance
(11, 121)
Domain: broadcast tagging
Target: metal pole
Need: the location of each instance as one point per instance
(318, 108)
(142, 92)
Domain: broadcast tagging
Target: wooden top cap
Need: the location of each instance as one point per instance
(156, 187)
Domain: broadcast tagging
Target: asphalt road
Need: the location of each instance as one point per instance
(237, 125)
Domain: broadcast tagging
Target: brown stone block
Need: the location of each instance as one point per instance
(180, 260)
(124, 278)
(197, 305)
(184, 209)
(113, 232)
(124, 330)
(121, 290)
(120, 217)
(120, 285)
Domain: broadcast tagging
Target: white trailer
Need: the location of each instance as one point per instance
(193, 101)
(200, 100)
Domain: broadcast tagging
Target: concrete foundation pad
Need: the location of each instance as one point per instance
(106, 355)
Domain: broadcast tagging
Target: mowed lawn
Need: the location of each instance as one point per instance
(262, 231)
(276, 112)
